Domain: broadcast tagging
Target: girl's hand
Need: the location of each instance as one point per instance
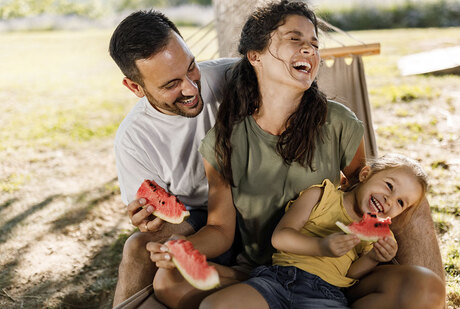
(338, 244)
(384, 250)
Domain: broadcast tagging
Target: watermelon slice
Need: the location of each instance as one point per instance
(166, 206)
(370, 228)
(192, 265)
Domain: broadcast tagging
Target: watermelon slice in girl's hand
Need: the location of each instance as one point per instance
(370, 228)
(192, 265)
(166, 206)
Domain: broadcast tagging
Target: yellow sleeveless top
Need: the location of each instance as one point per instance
(320, 224)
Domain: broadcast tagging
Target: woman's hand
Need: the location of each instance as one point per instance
(338, 244)
(384, 250)
(159, 253)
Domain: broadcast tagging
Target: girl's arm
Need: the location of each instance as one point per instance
(217, 235)
(383, 251)
(287, 236)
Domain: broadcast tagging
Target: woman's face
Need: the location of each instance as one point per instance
(292, 56)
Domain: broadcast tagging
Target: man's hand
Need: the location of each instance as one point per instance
(142, 217)
(384, 250)
(338, 244)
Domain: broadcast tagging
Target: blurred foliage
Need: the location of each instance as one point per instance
(22, 8)
(138, 4)
(89, 8)
(409, 14)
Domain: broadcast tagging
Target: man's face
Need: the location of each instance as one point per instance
(172, 79)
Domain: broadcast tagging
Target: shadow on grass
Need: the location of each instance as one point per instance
(82, 207)
(91, 287)
(8, 203)
(8, 226)
(99, 288)
(97, 278)
(7, 273)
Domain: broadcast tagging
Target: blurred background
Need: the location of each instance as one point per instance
(62, 222)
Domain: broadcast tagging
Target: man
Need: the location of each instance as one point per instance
(159, 138)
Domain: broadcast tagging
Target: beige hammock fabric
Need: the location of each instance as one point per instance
(346, 83)
(142, 300)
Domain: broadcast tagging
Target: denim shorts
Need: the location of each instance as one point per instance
(198, 219)
(291, 287)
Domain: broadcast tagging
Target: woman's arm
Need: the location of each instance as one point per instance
(351, 171)
(217, 235)
(287, 236)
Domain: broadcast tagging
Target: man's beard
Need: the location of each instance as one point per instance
(175, 107)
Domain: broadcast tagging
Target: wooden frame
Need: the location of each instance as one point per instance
(348, 51)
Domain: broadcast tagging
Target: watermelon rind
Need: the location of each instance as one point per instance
(174, 220)
(347, 230)
(212, 277)
(212, 282)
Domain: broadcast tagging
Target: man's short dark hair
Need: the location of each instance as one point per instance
(139, 36)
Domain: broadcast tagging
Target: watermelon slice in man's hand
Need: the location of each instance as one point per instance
(166, 206)
(370, 228)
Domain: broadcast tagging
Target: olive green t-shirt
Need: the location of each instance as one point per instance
(264, 183)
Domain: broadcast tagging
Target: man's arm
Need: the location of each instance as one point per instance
(417, 241)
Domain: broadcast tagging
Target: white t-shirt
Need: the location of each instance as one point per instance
(153, 145)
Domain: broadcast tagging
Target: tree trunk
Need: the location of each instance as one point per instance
(230, 16)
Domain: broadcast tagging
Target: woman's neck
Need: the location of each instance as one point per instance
(278, 103)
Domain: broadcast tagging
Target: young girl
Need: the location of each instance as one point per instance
(315, 259)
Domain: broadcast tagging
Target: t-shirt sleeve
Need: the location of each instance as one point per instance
(214, 74)
(131, 171)
(207, 148)
(351, 132)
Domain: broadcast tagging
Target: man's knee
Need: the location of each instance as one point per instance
(420, 288)
(134, 247)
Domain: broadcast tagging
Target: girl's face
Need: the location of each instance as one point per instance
(292, 56)
(389, 192)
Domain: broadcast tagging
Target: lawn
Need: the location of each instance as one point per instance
(62, 223)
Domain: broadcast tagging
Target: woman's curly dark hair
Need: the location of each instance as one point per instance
(242, 98)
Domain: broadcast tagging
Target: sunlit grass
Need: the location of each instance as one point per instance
(62, 89)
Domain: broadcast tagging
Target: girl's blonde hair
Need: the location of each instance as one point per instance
(394, 160)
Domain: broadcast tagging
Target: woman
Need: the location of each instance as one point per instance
(276, 134)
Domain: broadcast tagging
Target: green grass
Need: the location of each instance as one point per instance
(62, 89)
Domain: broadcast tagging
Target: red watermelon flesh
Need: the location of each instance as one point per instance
(193, 265)
(370, 228)
(166, 206)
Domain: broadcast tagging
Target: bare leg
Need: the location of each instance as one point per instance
(173, 291)
(136, 270)
(398, 286)
(417, 242)
(235, 296)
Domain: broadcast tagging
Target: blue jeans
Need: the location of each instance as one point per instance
(291, 287)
